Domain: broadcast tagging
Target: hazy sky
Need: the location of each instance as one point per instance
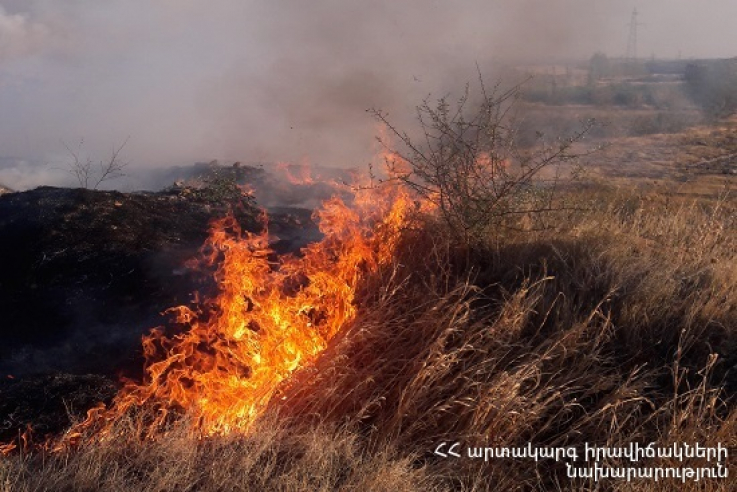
(270, 80)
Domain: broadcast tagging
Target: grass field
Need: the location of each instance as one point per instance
(607, 322)
(618, 325)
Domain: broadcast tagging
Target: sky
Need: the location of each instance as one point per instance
(282, 80)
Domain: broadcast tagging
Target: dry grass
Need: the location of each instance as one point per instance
(271, 458)
(617, 326)
(689, 164)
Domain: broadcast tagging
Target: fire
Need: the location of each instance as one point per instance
(269, 319)
(296, 174)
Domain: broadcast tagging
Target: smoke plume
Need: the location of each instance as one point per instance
(284, 80)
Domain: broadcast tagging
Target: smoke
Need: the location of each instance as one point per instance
(25, 175)
(304, 99)
(19, 37)
(283, 80)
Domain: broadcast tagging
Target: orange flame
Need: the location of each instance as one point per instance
(268, 320)
(24, 442)
(296, 174)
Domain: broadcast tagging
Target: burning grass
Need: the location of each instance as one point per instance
(620, 329)
(617, 326)
(227, 357)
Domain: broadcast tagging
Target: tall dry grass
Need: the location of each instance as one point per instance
(617, 325)
(272, 457)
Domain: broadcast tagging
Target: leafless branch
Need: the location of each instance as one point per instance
(113, 167)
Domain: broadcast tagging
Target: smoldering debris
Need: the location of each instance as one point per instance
(273, 185)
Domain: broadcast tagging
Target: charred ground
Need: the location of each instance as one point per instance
(86, 273)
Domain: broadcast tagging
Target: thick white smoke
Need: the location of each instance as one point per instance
(189, 80)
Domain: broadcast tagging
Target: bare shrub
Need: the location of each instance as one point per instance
(91, 176)
(469, 163)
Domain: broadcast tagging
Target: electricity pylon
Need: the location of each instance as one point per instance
(632, 40)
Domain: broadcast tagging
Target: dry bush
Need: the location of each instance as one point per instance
(91, 176)
(469, 163)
